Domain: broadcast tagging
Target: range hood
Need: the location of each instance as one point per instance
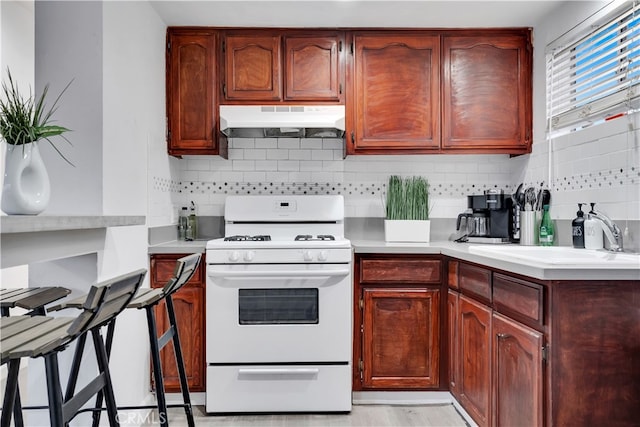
(302, 121)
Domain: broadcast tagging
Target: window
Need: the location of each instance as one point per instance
(596, 76)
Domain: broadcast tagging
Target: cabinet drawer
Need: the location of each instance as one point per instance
(405, 270)
(475, 280)
(452, 277)
(518, 298)
(163, 266)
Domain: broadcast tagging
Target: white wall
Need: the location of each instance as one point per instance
(597, 164)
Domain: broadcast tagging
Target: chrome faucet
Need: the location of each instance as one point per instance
(611, 230)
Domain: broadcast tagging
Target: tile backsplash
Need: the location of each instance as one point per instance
(598, 164)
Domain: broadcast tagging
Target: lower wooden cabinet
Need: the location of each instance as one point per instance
(189, 305)
(400, 337)
(474, 347)
(517, 374)
(397, 322)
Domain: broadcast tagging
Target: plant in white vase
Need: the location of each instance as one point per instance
(407, 210)
(23, 122)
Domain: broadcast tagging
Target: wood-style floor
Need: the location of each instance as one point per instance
(444, 415)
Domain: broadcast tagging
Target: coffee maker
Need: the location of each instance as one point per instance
(489, 218)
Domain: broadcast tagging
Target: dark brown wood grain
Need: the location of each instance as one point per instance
(476, 281)
(522, 300)
(487, 92)
(475, 359)
(453, 335)
(314, 69)
(400, 270)
(595, 353)
(452, 277)
(252, 66)
(192, 108)
(401, 338)
(518, 376)
(395, 103)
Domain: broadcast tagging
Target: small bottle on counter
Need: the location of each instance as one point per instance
(193, 221)
(577, 228)
(593, 234)
(546, 234)
(182, 223)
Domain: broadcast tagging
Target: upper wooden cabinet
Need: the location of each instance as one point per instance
(486, 92)
(395, 103)
(192, 110)
(276, 66)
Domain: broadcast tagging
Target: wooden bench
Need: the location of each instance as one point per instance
(42, 336)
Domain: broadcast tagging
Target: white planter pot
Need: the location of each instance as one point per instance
(26, 189)
(407, 230)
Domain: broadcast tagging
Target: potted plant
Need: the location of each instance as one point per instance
(407, 210)
(23, 122)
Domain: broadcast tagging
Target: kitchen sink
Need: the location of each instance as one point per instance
(557, 255)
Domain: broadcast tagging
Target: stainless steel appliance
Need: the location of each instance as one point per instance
(279, 303)
(488, 218)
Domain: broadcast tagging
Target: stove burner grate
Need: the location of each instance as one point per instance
(258, 238)
(308, 237)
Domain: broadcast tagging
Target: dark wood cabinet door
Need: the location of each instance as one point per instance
(453, 336)
(188, 304)
(191, 103)
(401, 340)
(517, 374)
(395, 104)
(252, 67)
(474, 380)
(313, 68)
(487, 93)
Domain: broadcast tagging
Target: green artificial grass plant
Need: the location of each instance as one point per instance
(407, 198)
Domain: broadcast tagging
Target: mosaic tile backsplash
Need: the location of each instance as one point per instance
(599, 165)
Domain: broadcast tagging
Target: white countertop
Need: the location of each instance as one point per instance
(536, 269)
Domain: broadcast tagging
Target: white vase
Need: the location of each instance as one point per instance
(26, 189)
(407, 230)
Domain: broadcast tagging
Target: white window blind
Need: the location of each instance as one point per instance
(598, 75)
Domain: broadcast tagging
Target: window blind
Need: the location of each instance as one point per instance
(598, 75)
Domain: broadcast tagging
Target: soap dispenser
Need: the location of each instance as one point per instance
(577, 228)
(593, 234)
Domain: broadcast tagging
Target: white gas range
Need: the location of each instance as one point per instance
(279, 303)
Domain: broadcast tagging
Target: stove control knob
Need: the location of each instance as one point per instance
(307, 255)
(249, 255)
(234, 256)
(323, 255)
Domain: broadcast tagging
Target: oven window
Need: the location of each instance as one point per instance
(278, 306)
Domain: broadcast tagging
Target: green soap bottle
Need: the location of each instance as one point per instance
(546, 233)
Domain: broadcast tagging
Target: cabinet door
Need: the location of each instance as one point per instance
(396, 104)
(517, 374)
(474, 380)
(313, 68)
(191, 104)
(453, 335)
(401, 340)
(487, 93)
(188, 304)
(252, 68)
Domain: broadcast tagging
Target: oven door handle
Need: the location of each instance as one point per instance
(278, 371)
(277, 273)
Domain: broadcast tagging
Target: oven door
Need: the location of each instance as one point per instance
(277, 313)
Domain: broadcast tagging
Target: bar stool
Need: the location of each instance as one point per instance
(33, 299)
(43, 336)
(147, 299)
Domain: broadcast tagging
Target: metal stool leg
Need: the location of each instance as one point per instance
(56, 414)
(99, 397)
(103, 364)
(11, 392)
(157, 368)
(182, 373)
